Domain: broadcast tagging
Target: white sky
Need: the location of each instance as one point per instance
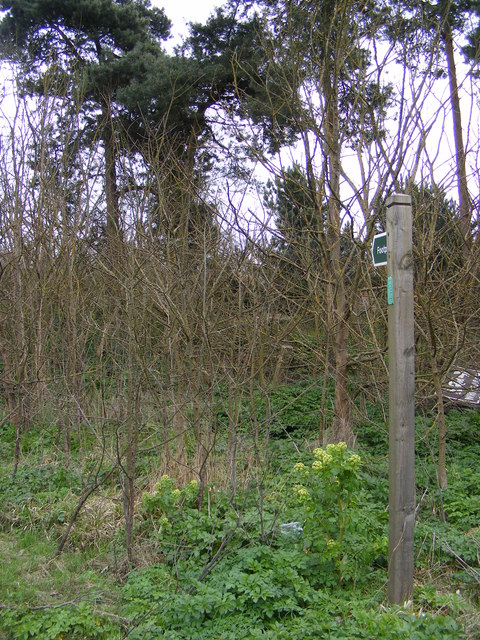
(181, 12)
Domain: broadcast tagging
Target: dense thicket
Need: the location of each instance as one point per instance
(147, 299)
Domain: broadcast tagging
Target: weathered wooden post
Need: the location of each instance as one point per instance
(401, 348)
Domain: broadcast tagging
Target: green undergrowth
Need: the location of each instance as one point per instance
(46, 597)
(268, 593)
(286, 411)
(298, 550)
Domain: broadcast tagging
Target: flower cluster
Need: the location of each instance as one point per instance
(164, 525)
(166, 496)
(330, 450)
(190, 491)
(302, 492)
(335, 454)
(164, 484)
(355, 461)
(321, 461)
(300, 470)
(332, 466)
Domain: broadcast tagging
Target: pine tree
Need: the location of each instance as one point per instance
(97, 48)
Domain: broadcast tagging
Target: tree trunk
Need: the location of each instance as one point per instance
(463, 195)
(342, 422)
(20, 349)
(442, 431)
(133, 420)
(112, 228)
(342, 431)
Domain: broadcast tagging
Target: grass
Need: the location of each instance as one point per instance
(31, 576)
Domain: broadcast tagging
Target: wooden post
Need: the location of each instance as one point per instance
(401, 348)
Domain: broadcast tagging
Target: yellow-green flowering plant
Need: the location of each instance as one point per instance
(166, 497)
(328, 490)
(170, 515)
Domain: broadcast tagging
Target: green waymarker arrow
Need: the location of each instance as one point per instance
(379, 250)
(389, 290)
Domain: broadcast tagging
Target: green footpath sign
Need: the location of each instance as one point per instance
(379, 250)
